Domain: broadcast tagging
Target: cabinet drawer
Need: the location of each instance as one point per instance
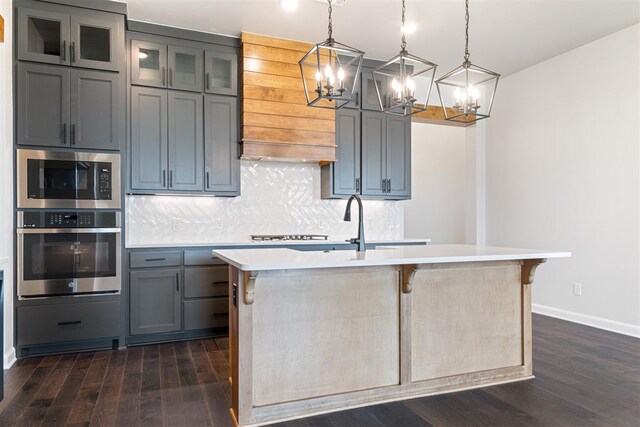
(60, 323)
(206, 282)
(154, 259)
(206, 313)
(201, 258)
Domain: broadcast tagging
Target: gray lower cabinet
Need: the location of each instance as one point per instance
(149, 138)
(62, 107)
(206, 313)
(185, 141)
(222, 162)
(155, 301)
(63, 323)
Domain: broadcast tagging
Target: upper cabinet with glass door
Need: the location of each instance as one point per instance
(166, 66)
(70, 36)
(221, 71)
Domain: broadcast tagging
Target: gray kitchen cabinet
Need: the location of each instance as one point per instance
(206, 313)
(374, 135)
(185, 141)
(185, 68)
(369, 96)
(222, 163)
(167, 66)
(155, 301)
(43, 105)
(70, 36)
(221, 72)
(97, 118)
(398, 156)
(342, 178)
(148, 63)
(149, 139)
(43, 36)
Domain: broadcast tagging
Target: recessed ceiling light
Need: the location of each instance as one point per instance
(408, 28)
(289, 5)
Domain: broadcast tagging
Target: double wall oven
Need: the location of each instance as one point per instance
(68, 223)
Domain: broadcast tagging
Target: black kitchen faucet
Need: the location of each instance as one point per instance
(347, 217)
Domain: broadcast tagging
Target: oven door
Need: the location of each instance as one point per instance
(76, 261)
(50, 179)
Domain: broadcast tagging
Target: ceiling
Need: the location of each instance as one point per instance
(506, 35)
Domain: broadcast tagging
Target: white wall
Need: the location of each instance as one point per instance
(6, 179)
(439, 180)
(562, 153)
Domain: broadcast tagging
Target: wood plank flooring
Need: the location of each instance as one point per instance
(584, 377)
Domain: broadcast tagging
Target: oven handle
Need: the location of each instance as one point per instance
(66, 230)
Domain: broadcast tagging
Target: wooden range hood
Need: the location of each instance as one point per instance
(276, 122)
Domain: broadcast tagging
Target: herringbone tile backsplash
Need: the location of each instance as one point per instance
(277, 198)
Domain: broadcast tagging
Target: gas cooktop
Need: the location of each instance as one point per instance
(270, 237)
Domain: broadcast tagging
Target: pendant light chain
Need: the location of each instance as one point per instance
(466, 32)
(404, 41)
(330, 28)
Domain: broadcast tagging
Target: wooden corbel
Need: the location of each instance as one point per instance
(529, 269)
(249, 287)
(408, 274)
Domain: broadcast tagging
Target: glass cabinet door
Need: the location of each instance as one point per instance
(185, 68)
(43, 36)
(369, 94)
(95, 41)
(221, 73)
(148, 64)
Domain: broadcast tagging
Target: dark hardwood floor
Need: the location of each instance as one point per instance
(584, 377)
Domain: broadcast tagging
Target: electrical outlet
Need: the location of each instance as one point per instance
(577, 289)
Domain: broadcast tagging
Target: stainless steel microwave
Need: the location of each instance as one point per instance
(65, 179)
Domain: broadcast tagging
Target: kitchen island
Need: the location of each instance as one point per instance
(315, 332)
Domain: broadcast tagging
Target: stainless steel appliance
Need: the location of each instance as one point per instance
(68, 253)
(276, 237)
(67, 180)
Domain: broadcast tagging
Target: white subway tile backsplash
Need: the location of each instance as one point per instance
(277, 198)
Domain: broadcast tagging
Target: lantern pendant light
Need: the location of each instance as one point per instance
(330, 72)
(401, 80)
(467, 92)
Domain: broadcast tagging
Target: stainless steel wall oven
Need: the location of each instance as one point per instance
(68, 253)
(67, 180)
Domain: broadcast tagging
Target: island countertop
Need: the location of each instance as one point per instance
(287, 259)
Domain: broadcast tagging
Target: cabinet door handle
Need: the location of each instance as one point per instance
(219, 283)
(170, 179)
(206, 81)
(64, 50)
(72, 51)
(72, 322)
(177, 282)
(207, 180)
(164, 177)
(170, 76)
(155, 259)
(64, 133)
(163, 76)
(73, 134)
(384, 185)
(389, 186)
(357, 185)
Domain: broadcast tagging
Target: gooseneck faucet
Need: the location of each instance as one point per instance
(347, 217)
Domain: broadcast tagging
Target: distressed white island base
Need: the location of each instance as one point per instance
(314, 332)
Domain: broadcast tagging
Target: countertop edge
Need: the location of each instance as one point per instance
(250, 244)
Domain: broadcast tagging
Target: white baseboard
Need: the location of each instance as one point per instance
(9, 358)
(584, 319)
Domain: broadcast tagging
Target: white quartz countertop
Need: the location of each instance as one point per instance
(274, 243)
(287, 259)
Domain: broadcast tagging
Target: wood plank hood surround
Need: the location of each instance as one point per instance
(276, 122)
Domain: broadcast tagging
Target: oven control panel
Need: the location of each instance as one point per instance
(66, 219)
(104, 181)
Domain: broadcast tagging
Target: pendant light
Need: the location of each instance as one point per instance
(401, 80)
(330, 72)
(467, 92)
